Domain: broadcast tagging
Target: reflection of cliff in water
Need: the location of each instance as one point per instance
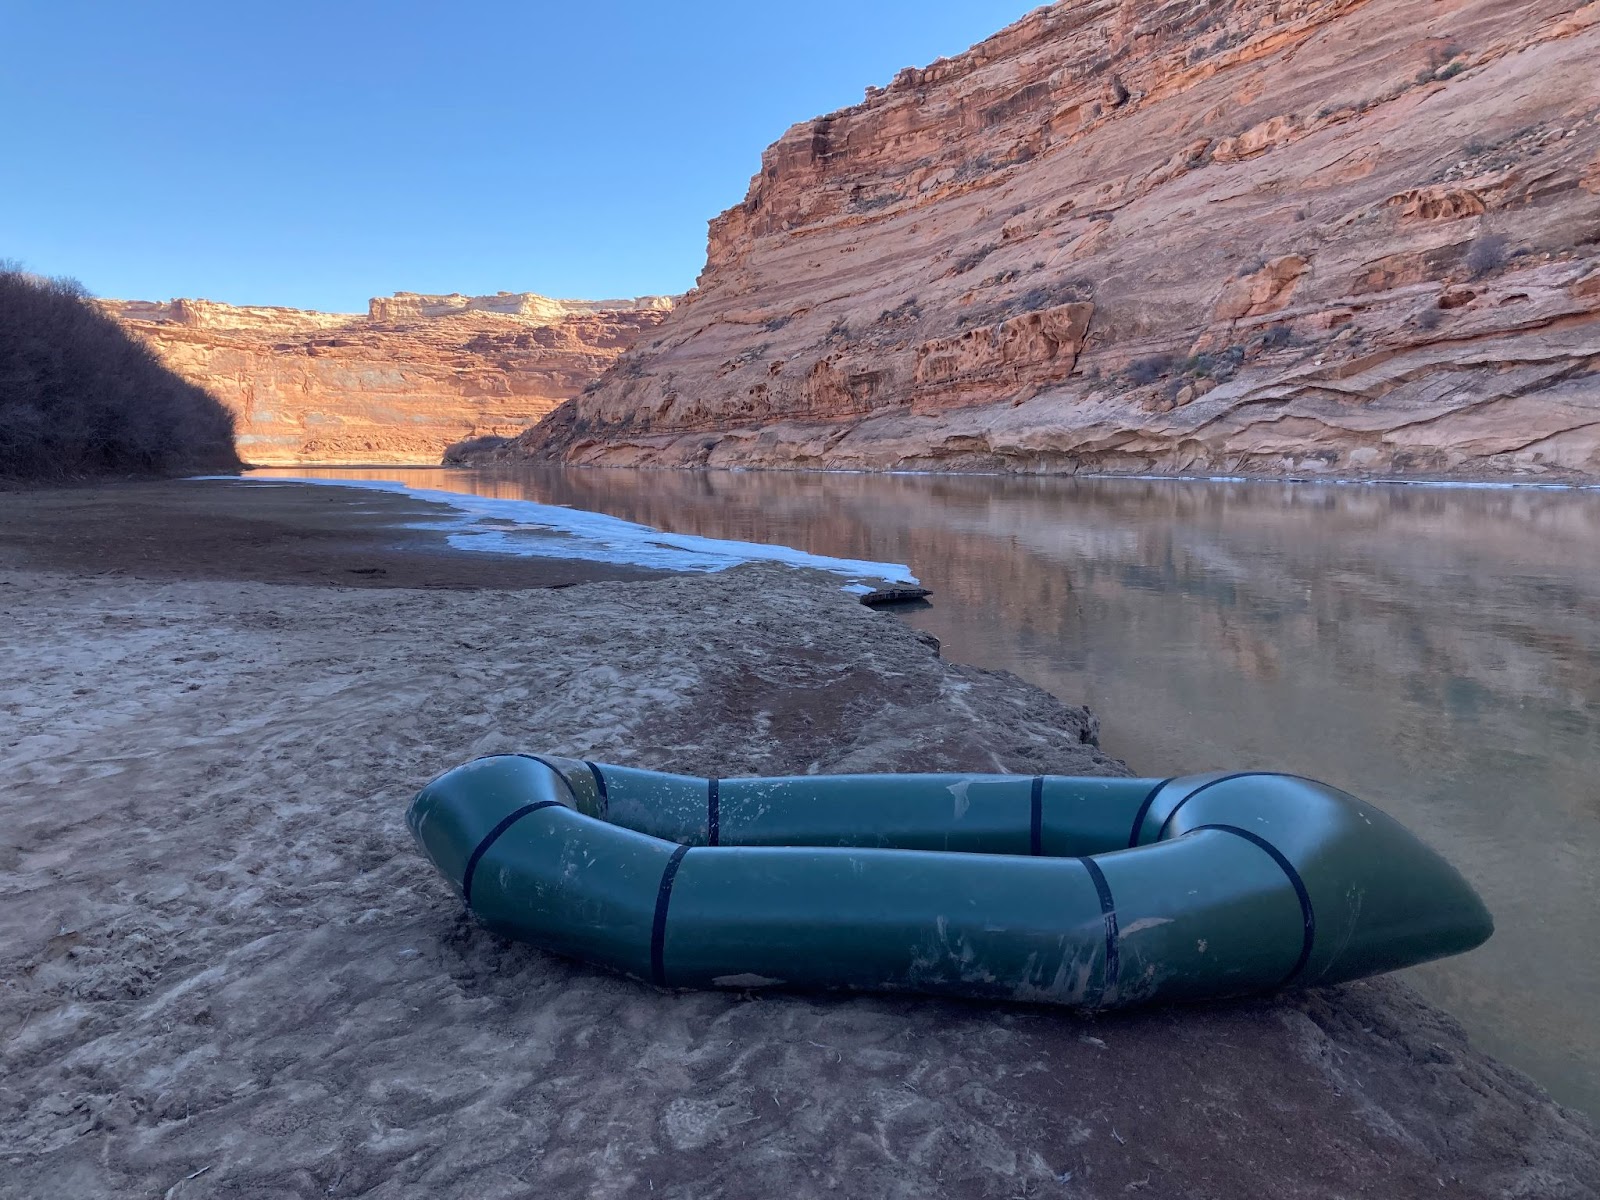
(1432, 650)
(1447, 590)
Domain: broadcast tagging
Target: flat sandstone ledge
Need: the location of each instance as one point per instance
(226, 971)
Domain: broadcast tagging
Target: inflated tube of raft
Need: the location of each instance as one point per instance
(1090, 892)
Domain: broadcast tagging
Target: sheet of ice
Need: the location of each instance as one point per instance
(527, 527)
(1495, 485)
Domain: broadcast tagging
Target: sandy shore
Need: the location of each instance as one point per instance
(264, 531)
(225, 971)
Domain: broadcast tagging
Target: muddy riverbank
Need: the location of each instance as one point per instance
(227, 971)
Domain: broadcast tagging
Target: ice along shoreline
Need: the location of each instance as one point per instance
(527, 528)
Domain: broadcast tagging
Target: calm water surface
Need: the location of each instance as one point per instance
(1435, 651)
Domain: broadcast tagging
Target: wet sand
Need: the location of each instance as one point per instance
(225, 970)
(263, 531)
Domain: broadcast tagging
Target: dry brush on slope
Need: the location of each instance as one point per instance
(79, 397)
(1336, 236)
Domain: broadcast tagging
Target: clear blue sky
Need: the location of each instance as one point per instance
(313, 154)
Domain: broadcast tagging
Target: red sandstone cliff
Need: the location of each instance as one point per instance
(397, 385)
(1348, 235)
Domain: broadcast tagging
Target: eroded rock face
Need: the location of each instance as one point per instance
(397, 385)
(1349, 236)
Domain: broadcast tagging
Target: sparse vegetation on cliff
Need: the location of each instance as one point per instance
(1145, 371)
(1486, 255)
(473, 449)
(78, 396)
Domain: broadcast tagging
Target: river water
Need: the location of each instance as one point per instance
(1434, 650)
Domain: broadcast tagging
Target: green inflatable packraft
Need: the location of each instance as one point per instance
(1095, 893)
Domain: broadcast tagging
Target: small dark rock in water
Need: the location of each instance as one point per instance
(934, 644)
(895, 595)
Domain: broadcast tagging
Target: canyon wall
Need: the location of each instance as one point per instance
(1277, 236)
(398, 384)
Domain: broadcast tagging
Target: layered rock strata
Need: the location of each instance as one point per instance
(1350, 236)
(396, 385)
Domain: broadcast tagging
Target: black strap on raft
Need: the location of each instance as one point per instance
(1108, 912)
(713, 812)
(1036, 824)
(1144, 811)
(600, 783)
(658, 927)
(559, 774)
(1307, 914)
(494, 834)
(1162, 832)
(1226, 778)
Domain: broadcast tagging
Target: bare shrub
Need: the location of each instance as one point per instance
(1486, 255)
(1277, 336)
(80, 396)
(468, 449)
(973, 257)
(1147, 370)
(907, 312)
(1222, 365)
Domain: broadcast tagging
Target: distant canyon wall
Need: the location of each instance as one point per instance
(398, 384)
(1280, 236)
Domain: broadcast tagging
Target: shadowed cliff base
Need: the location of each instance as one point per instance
(1348, 238)
(80, 398)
